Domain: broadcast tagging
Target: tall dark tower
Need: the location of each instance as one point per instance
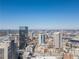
(23, 36)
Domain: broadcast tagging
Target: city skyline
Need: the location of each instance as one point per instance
(41, 14)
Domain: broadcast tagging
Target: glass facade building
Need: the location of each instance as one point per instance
(41, 39)
(23, 36)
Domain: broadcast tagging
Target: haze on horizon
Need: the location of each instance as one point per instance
(39, 14)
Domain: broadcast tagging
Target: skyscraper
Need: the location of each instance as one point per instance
(57, 40)
(23, 36)
(8, 49)
(41, 39)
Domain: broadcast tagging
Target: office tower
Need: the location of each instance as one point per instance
(23, 36)
(57, 36)
(41, 39)
(8, 48)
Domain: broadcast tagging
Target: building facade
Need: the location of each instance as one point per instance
(41, 39)
(8, 49)
(58, 42)
(23, 36)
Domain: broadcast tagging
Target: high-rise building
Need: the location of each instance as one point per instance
(57, 36)
(8, 48)
(23, 36)
(41, 39)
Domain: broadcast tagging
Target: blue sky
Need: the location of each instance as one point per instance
(39, 14)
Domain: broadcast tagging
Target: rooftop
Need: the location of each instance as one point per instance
(4, 38)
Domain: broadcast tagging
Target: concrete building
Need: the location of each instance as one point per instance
(58, 42)
(75, 52)
(23, 36)
(68, 56)
(41, 39)
(15, 37)
(28, 51)
(7, 48)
